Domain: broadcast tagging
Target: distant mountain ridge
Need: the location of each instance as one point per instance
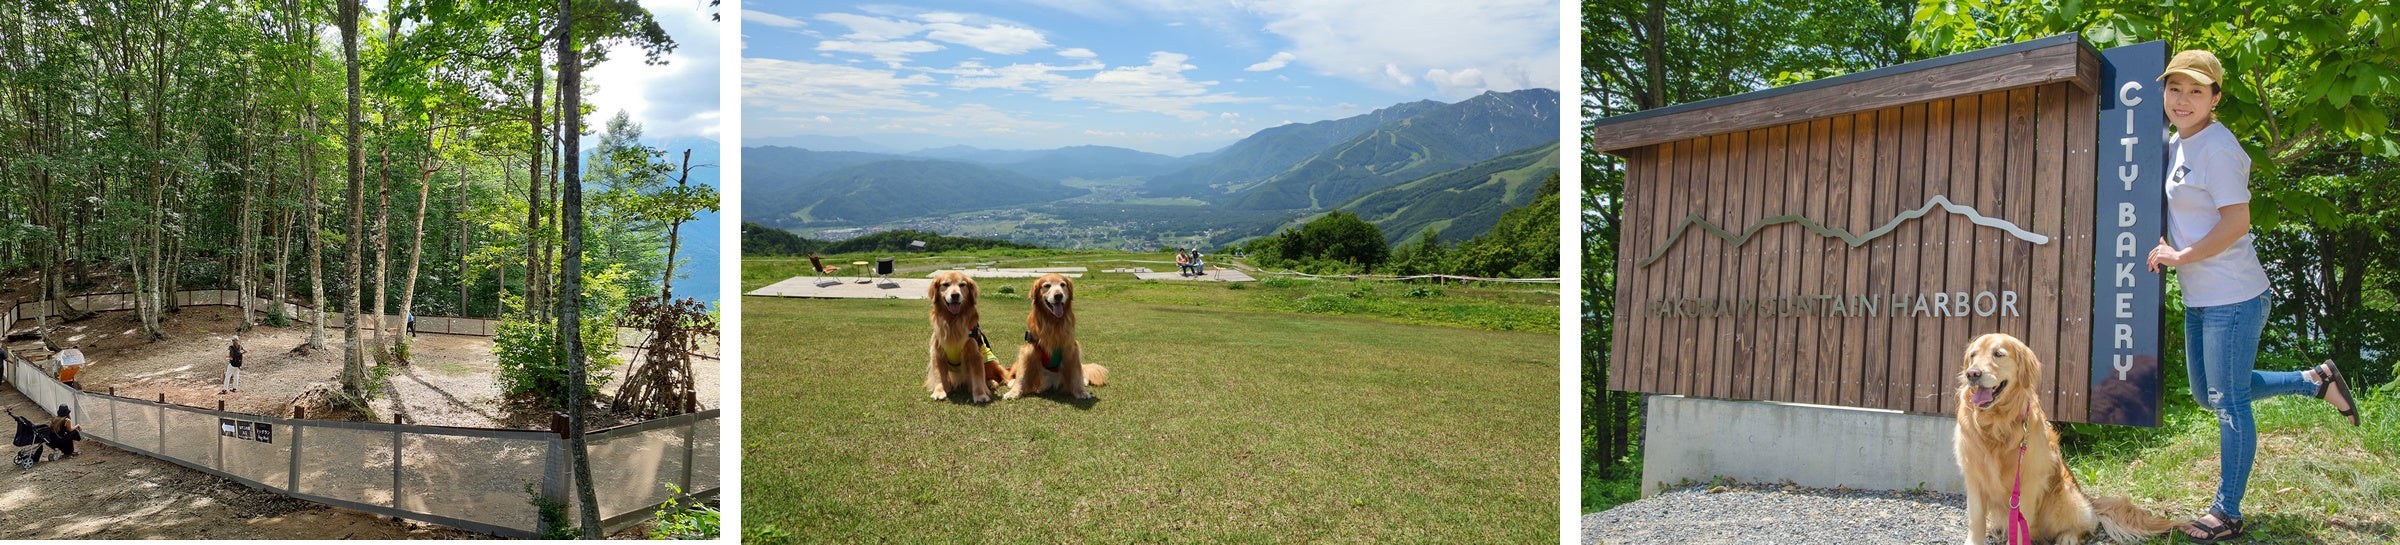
(1272, 151)
(1461, 203)
(1407, 168)
(900, 188)
(1440, 139)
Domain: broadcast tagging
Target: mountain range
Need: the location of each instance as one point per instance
(1406, 167)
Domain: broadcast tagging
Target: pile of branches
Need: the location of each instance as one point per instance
(661, 383)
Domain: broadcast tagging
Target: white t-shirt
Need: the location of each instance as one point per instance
(2206, 172)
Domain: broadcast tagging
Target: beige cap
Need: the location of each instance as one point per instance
(2199, 64)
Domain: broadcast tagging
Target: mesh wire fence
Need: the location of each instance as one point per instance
(469, 478)
(347, 464)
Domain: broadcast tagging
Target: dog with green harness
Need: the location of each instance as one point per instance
(1051, 357)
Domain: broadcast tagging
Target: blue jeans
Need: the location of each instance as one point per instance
(2220, 347)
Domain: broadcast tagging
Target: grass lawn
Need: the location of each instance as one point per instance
(1229, 417)
(2316, 479)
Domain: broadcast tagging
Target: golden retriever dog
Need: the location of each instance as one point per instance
(1052, 358)
(1998, 410)
(957, 361)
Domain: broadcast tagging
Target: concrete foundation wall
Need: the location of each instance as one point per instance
(1810, 445)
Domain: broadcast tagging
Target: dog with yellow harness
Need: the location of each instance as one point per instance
(960, 360)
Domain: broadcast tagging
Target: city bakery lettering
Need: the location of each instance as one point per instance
(1838, 242)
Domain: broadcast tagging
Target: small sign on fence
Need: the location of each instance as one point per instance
(246, 430)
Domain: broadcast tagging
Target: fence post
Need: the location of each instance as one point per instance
(554, 480)
(690, 433)
(396, 469)
(291, 478)
(162, 424)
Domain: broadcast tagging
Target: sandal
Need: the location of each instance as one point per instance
(2335, 384)
(2226, 528)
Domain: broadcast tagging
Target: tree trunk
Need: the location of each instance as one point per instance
(535, 304)
(309, 202)
(570, 312)
(354, 371)
(416, 250)
(383, 249)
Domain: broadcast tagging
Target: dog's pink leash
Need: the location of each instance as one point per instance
(2020, 533)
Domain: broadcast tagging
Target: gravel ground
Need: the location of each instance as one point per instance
(1748, 513)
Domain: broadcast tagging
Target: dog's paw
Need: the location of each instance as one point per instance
(940, 394)
(1011, 394)
(983, 398)
(1083, 394)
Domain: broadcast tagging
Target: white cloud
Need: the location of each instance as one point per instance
(1390, 70)
(770, 19)
(971, 117)
(1466, 81)
(1158, 87)
(998, 38)
(823, 119)
(777, 85)
(670, 100)
(1077, 53)
(1275, 62)
(882, 51)
(972, 75)
(1508, 44)
(873, 29)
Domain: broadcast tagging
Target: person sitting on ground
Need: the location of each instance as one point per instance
(233, 367)
(60, 436)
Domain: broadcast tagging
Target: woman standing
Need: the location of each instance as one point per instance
(2225, 293)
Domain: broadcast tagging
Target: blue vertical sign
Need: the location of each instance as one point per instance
(2127, 314)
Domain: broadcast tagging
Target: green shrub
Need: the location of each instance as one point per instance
(553, 515)
(1235, 286)
(678, 520)
(1422, 292)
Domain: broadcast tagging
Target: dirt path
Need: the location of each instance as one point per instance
(450, 383)
(105, 493)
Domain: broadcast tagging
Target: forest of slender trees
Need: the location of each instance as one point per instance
(403, 161)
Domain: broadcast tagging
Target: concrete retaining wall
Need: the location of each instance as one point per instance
(1811, 445)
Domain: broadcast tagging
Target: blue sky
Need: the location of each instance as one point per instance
(1164, 76)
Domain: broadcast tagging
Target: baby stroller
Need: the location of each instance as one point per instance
(27, 436)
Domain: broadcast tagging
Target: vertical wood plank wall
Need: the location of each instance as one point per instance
(2022, 155)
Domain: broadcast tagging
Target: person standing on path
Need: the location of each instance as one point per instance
(233, 367)
(2225, 291)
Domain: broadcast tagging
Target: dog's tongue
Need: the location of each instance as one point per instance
(1057, 310)
(953, 307)
(1983, 396)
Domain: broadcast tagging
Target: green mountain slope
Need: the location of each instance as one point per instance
(1460, 203)
(1273, 151)
(886, 190)
(1436, 140)
(773, 177)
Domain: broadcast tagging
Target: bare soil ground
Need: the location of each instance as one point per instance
(450, 382)
(105, 493)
